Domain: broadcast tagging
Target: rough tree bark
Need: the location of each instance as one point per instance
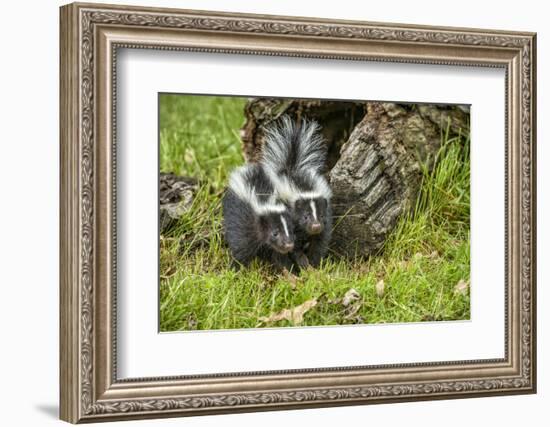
(376, 154)
(176, 194)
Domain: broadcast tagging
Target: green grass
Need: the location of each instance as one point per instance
(421, 263)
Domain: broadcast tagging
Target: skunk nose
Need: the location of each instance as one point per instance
(315, 228)
(288, 246)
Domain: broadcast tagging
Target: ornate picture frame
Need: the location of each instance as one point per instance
(90, 37)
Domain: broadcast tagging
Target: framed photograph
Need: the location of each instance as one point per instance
(266, 212)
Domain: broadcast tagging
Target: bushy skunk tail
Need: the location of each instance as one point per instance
(294, 156)
(291, 148)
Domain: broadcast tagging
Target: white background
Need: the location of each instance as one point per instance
(29, 171)
(143, 352)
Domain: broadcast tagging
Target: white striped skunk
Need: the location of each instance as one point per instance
(294, 157)
(255, 224)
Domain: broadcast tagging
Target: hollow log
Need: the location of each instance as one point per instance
(338, 119)
(376, 154)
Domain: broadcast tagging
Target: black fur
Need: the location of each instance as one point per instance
(250, 234)
(310, 247)
(255, 175)
(297, 152)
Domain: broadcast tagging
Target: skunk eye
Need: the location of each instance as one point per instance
(275, 233)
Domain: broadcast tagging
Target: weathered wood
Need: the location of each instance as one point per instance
(376, 154)
(176, 194)
(338, 119)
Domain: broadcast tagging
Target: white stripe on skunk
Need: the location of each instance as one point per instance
(292, 153)
(294, 158)
(245, 191)
(288, 190)
(313, 210)
(285, 226)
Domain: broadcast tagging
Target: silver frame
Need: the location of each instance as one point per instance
(90, 37)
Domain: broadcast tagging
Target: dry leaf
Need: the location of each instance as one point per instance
(352, 310)
(192, 322)
(352, 303)
(462, 287)
(295, 314)
(292, 278)
(350, 296)
(380, 288)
